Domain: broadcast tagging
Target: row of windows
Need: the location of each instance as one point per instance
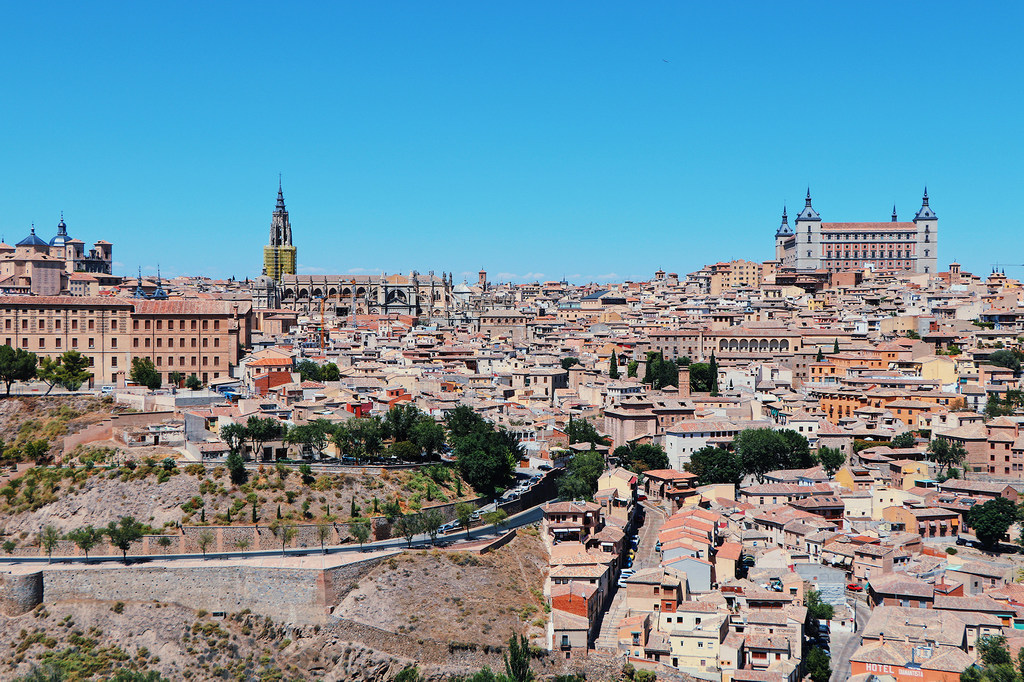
(41, 324)
(170, 325)
(870, 236)
(866, 254)
(170, 342)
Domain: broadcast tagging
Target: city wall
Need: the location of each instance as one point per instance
(299, 596)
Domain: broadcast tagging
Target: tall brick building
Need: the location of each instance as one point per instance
(204, 338)
(834, 247)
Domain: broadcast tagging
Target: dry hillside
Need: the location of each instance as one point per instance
(456, 596)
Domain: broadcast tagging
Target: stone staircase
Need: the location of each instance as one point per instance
(608, 639)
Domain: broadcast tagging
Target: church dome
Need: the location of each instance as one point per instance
(32, 240)
(62, 238)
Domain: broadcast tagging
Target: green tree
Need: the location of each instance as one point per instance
(798, 455)
(816, 608)
(123, 533)
(613, 366)
(580, 479)
(701, 378)
(947, 454)
(193, 383)
(660, 372)
(496, 518)
(641, 457)
(144, 373)
(409, 674)
(330, 372)
(835, 347)
(820, 357)
(1006, 358)
(569, 362)
(367, 436)
(716, 465)
(285, 532)
(175, 378)
(49, 539)
(464, 514)
(713, 370)
(315, 435)
(204, 541)
(360, 530)
(486, 461)
(234, 436)
(761, 451)
(236, 468)
(818, 665)
(903, 441)
(517, 660)
(582, 431)
(431, 520)
(70, 370)
(405, 451)
(991, 520)
(428, 436)
(831, 460)
(16, 365)
(261, 431)
(86, 538)
(308, 370)
(400, 420)
(407, 525)
(631, 368)
(323, 533)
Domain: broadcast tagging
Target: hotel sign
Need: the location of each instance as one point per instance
(898, 671)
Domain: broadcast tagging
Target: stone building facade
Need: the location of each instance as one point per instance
(188, 336)
(835, 247)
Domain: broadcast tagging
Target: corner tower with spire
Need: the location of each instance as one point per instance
(279, 255)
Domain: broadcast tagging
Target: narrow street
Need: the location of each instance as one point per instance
(845, 643)
(646, 557)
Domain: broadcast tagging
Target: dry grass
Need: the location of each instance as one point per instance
(455, 596)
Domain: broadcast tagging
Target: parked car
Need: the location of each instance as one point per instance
(854, 587)
(544, 467)
(641, 497)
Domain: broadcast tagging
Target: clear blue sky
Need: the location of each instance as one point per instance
(592, 140)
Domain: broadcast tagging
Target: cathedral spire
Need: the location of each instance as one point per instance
(894, 213)
(280, 195)
(924, 199)
(807, 201)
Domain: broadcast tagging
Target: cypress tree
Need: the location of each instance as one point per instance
(613, 366)
(821, 356)
(278, 511)
(835, 347)
(714, 374)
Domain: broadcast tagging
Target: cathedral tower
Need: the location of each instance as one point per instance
(279, 254)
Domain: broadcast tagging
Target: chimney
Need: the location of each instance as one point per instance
(684, 381)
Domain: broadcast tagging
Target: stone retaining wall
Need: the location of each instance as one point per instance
(298, 596)
(20, 593)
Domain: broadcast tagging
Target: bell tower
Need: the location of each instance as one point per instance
(279, 255)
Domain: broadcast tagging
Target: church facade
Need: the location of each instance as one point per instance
(812, 244)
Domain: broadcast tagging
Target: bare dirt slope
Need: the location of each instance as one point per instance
(91, 640)
(456, 597)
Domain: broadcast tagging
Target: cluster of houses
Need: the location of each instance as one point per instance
(722, 575)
